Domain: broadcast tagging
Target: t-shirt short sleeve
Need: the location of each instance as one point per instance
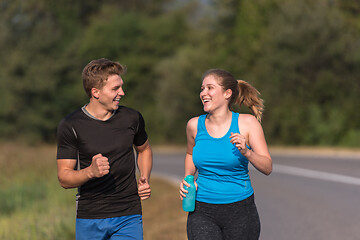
(67, 145)
(140, 135)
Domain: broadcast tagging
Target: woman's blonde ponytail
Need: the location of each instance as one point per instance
(249, 96)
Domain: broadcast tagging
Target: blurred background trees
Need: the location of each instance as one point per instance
(303, 56)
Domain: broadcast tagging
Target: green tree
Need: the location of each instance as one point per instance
(178, 90)
(308, 71)
(140, 42)
(45, 45)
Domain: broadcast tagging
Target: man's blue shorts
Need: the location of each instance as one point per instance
(126, 227)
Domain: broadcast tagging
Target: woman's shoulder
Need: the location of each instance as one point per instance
(191, 128)
(247, 119)
(192, 123)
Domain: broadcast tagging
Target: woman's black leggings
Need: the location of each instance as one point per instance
(239, 220)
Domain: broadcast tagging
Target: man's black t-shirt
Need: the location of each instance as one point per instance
(81, 136)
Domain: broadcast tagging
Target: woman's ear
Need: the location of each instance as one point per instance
(95, 93)
(228, 94)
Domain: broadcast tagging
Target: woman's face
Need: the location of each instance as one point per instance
(212, 94)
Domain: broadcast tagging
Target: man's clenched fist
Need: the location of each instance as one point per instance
(144, 189)
(99, 165)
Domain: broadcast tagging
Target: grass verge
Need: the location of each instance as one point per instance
(163, 216)
(33, 206)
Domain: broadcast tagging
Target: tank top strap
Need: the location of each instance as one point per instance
(201, 129)
(235, 123)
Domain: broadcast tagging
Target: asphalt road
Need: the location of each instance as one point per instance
(307, 196)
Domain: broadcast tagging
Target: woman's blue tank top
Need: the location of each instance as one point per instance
(222, 170)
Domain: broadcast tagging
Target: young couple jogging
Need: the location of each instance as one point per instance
(95, 154)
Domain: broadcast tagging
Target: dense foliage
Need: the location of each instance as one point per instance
(303, 56)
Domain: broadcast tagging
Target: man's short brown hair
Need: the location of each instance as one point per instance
(96, 73)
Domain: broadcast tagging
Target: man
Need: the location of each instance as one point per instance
(95, 154)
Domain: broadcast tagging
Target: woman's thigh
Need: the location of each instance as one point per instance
(201, 224)
(241, 221)
(234, 221)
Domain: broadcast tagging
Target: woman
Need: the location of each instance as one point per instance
(219, 146)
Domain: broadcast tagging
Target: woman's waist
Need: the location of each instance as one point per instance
(223, 184)
(224, 176)
(223, 192)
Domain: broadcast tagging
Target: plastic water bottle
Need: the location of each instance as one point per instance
(188, 203)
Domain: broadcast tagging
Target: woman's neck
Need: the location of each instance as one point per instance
(220, 116)
(218, 123)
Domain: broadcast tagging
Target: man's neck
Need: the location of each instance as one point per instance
(97, 111)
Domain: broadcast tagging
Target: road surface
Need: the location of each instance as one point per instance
(307, 196)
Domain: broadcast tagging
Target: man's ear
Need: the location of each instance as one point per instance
(228, 94)
(95, 93)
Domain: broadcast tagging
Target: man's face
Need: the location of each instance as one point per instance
(110, 94)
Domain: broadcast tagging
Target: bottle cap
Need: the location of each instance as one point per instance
(189, 178)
